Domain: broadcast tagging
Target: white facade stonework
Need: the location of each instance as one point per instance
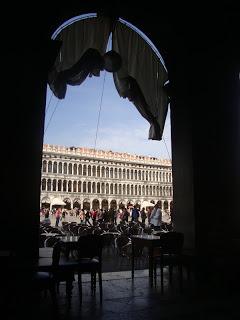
(89, 178)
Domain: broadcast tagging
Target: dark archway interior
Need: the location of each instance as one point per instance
(201, 49)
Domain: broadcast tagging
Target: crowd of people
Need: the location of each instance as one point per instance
(147, 216)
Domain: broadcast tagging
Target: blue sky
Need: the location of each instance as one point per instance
(121, 127)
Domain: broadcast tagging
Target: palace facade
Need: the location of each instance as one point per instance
(88, 178)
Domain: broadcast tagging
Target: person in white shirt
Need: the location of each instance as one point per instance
(156, 217)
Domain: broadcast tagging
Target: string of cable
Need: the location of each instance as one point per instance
(99, 111)
(49, 121)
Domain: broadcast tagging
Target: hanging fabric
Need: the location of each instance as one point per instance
(83, 45)
(141, 78)
(138, 72)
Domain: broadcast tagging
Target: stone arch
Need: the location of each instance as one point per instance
(86, 204)
(68, 203)
(76, 203)
(113, 204)
(104, 204)
(95, 204)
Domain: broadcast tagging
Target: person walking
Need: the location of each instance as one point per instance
(143, 215)
(156, 217)
(58, 216)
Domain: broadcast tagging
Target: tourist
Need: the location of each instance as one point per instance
(156, 217)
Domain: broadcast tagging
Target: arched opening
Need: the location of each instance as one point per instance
(121, 205)
(45, 203)
(77, 204)
(68, 203)
(95, 204)
(86, 204)
(113, 204)
(120, 171)
(104, 204)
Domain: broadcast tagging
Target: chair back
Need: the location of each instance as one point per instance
(172, 242)
(57, 247)
(90, 246)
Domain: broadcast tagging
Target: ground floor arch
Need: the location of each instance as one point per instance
(95, 204)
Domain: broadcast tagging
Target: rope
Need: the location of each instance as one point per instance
(51, 116)
(166, 148)
(49, 103)
(99, 112)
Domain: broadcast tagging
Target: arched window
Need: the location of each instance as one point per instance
(80, 169)
(75, 169)
(44, 166)
(60, 167)
(64, 185)
(49, 185)
(84, 170)
(54, 186)
(103, 172)
(65, 168)
(54, 167)
(89, 187)
(70, 168)
(74, 186)
(120, 173)
(59, 185)
(139, 175)
(79, 186)
(98, 171)
(131, 174)
(70, 186)
(103, 188)
(131, 189)
(43, 184)
(89, 171)
(50, 166)
(98, 187)
(107, 172)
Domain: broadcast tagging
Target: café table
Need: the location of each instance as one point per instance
(149, 241)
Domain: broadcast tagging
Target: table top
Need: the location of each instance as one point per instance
(50, 234)
(69, 239)
(149, 237)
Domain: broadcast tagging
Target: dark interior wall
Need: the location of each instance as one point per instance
(205, 145)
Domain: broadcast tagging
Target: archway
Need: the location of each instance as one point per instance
(76, 203)
(86, 204)
(45, 202)
(104, 204)
(95, 204)
(68, 203)
(122, 204)
(113, 204)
